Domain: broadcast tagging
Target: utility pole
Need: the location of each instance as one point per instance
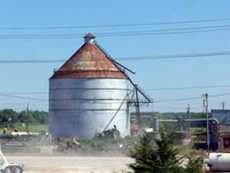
(188, 116)
(207, 118)
(137, 106)
(188, 109)
(203, 104)
(27, 119)
(223, 105)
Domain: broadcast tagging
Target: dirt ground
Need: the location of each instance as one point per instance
(72, 164)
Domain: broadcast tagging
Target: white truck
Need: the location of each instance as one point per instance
(219, 162)
(7, 167)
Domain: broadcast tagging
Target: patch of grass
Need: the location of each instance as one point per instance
(32, 127)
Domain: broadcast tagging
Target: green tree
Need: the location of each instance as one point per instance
(194, 165)
(26, 117)
(40, 117)
(8, 117)
(160, 156)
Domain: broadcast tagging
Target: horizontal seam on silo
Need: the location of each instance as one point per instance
(84, 99)
(86, 109)
(125, 89)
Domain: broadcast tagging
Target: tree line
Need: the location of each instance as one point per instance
(10, 116)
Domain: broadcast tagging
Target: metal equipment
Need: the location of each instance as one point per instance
(134, 99)
(113, 133)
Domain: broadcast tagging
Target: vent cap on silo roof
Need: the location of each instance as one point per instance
(89, 38)
(89, 61)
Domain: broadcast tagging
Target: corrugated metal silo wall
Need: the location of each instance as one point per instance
(82, 107)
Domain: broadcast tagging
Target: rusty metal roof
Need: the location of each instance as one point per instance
(89, 61)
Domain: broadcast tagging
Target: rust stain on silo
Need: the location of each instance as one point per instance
(89, 62)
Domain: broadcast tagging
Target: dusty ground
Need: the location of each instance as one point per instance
(72, 164)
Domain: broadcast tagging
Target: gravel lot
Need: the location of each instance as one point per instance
(72, 164)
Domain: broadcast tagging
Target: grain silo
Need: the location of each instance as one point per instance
(87, 94)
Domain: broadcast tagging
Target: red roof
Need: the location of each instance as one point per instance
(90, 61)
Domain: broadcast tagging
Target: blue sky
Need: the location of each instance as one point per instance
(18, 78)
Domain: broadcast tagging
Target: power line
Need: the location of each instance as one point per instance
(28, 93)
(132, 31)
(31, 61)
(22, 97)
(134, 58)
(167, 31)
(219, 95)
(177, 56)
(189, 87)
(176, 99)
(154, 101)
(131, 34)
(62, 27)
(102, 35)
(189, 98)
(147, 89)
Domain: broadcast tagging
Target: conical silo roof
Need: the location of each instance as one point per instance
(89, 61)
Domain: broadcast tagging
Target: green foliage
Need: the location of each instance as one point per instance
(40, 117)
(25, 117)
(34, 121)
(8, 115)
(194, 165)
(160, 156)
(155, 159)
